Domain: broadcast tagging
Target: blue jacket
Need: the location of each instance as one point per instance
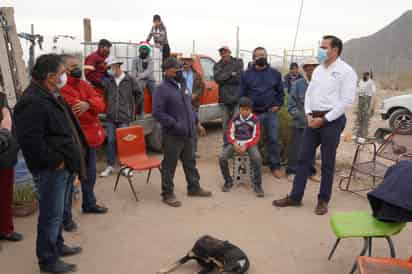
(263, 87)
(172, 108)
(296, 102)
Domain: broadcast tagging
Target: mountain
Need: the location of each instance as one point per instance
(388, 52)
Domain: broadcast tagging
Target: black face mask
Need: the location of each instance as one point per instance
(365, 78)
(261, 62)
(179, 76)
(144, 55)
(76, 73)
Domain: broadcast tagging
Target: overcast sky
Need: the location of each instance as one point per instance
(211, 23)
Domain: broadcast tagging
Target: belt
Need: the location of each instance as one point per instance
(319, 114)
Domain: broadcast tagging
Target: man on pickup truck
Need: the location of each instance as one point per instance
(95, 65)
(172, 108)
(227, 75)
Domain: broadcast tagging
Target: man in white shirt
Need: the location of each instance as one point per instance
(366, 91)
(331, 90)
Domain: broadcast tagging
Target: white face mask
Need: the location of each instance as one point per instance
(63, 80)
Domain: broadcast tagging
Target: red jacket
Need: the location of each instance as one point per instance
(77, 90)
(99, 63)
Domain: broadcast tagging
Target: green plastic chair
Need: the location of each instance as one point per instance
(361, 224)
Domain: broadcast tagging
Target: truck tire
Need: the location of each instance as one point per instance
(401, 120)
(155, 138)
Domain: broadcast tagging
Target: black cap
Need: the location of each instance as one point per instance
(171, 62)
(156, 17)
(104, 43)
(245, 102)
(294, 65)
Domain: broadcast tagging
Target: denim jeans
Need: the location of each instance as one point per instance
(52, 188)
(228, 111)
(270, 123)
(111, 140)
(88, 197)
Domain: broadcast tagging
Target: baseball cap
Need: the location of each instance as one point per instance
(171, 62)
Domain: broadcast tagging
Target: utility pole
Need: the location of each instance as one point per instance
(297, 31)
(237, 41)
(194, 47)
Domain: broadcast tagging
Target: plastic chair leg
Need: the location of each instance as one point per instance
(391, 246)
(333, 249)
(148, 176)
(133, 190)
(364, 250)
(117, 180)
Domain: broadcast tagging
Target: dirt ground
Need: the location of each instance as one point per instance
(143, 237)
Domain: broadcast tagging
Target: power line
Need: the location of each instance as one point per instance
(297, 30)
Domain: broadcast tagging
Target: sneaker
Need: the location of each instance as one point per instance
(278, 173)
(227, 187)
(286, 202)
(127, 172)
(321, 208)
(199, 193)
(259, 191)
(57, 267)
(12, 237)
(108, 170)
(171, 200)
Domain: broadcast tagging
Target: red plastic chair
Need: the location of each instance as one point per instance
(131, 149)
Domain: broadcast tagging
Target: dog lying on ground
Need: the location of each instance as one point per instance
(214, 254)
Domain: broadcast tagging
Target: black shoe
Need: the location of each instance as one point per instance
(95, 210)
(12, 237)
(286, 202)
(58, 267)
(227, 187)
(199, 193)
(67, 251)
(259, 191)
(70, 226)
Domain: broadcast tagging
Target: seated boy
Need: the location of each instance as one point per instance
(243, 136)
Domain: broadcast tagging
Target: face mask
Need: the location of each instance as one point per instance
(322, 55)
(63, 80)
(365, 78)
(110, 72)
(144, 55)
(76, 73)
(261, 62)
(179, 76)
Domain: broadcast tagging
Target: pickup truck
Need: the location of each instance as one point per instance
(209, 109)
(398, 110)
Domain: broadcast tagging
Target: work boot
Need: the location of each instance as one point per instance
(278, 173)
(171, 200)
(12, 237)
(57, 267)
(70, 226)
(199, 193)
(286, 202)
(321, 208)
(227, 187)
(259, 191)
(67, 251)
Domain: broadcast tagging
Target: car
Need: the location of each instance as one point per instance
(398, 110)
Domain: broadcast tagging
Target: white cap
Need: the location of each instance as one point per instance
(112, 61)
(310, 61)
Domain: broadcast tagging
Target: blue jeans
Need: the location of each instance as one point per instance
(270, 123)
(88, 197)
(328, 137)
(52, 187)
(111, 140)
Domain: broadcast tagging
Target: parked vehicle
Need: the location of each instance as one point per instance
(209, 108)
(398, 110)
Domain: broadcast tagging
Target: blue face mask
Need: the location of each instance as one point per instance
(110, 72)
(322, 55)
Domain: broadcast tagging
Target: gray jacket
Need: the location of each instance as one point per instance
(121, 100)
(227, 76)
(296, 102)
(142, 69)
(159, 35)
